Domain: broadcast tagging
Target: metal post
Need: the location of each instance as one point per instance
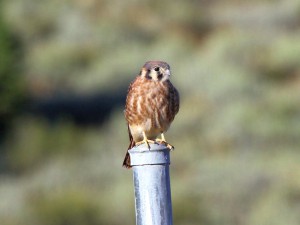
(151, 184)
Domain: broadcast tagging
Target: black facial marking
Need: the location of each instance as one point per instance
(156, 68)
(159, 76)
(148, 75)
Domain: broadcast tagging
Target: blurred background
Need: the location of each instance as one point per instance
(64, 70)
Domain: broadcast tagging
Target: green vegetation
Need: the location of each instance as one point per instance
(11, 85)
(236, 65)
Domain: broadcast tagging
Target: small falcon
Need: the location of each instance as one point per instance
(151, 105)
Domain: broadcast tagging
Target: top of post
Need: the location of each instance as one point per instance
(157, 155)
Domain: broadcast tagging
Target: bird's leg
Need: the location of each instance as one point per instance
(145, 140)
(163, 141)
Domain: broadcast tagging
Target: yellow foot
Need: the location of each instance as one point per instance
(169, 146)
(145, 140)
(163, 141)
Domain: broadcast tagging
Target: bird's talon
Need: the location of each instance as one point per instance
(171, 147)
(163, 142)
(145, 141)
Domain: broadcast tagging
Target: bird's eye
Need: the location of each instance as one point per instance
(156, 68)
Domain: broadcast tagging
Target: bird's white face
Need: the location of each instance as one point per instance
(156, 72)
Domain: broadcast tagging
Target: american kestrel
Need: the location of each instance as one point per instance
(151, 105)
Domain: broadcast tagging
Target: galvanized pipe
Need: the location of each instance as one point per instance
(152, 184)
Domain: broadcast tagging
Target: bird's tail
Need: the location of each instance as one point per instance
(126, 162)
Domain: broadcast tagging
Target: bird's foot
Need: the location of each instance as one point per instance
(145, 141)
(164, 142)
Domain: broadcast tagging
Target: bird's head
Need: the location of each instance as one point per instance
(156, 71)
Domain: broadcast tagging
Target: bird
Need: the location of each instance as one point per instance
(151, 105)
